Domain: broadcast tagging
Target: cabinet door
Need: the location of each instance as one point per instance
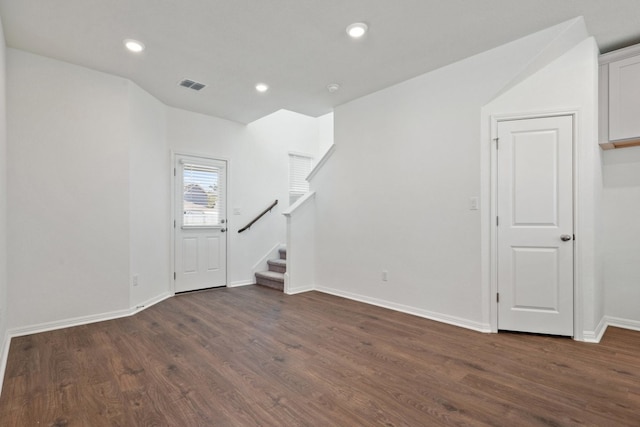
(624, 99)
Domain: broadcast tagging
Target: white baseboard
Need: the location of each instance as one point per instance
(68, 323)
(151, 301)
(596, 335)
(4, 355)
(300, 289)
(439, 317)
(85, 320)
(618, 322)
(241, 283)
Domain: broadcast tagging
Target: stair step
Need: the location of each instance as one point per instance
(271, 279)
(277, 265)
(283, 253)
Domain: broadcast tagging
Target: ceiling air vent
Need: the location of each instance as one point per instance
(192, 84)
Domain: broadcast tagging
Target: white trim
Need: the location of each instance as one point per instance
(239, 283)
(174, 220)
(619, 54)
(321, 162)
(68, 323)
(85, 320)
(439, 317)
(4, 356)
(493, 208)
(595, 336)
(299, 203)
(619, 322)
(300, 290)
(151, 301)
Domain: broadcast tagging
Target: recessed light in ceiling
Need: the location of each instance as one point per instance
(134, 45)
(333, 87)
(357, 30)
(261, 87)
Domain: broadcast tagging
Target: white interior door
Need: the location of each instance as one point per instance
(535, 225)
(200, 223)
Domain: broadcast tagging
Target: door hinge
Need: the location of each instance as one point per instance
(498, 297)
(174, 223)
(174, 171)
(497, 221)
(497, 144)
(174, 275)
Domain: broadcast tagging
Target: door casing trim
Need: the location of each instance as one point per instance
(172, 261)
(493, 211)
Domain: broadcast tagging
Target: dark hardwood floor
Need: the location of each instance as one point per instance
(253, 356)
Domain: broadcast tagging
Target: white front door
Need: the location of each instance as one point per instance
(535, 225)
(200, 223)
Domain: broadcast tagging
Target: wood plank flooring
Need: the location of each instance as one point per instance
(252, 356)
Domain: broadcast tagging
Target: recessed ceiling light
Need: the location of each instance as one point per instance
(261, 87)
(333, 87)
(134, 45)
(357, 30)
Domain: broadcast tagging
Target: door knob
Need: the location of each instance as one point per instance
(222, 230)
(565, 237)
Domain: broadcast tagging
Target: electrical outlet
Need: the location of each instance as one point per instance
(134, 280)
(385, 275)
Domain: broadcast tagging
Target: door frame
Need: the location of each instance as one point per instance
(493, 212)
(174, 219)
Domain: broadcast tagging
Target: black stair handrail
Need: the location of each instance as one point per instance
(258, 217)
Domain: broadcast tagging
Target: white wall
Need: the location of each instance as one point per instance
(258, 171)
(90, 189)
(622, 236)
(68, 190)
(395, 194)
(149, 199)
(325, 133)
(301, 241)
(569, 84)
(3, 206)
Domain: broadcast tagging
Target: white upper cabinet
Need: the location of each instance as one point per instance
(624, 99)
(620, 98)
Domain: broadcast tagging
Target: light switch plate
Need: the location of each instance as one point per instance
(473, 203)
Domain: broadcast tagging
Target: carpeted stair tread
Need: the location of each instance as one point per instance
(270, 279)
(278, 261)
(274, 278)
(271, 275)
(279, 265)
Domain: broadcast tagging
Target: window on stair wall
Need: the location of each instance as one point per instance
(299, 168)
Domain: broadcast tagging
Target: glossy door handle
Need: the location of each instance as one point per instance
(565, 237)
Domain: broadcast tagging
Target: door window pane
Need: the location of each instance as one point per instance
(201, 199)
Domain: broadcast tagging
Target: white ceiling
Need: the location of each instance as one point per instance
(298, 47)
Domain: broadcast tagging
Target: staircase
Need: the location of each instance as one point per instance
(274, 278)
